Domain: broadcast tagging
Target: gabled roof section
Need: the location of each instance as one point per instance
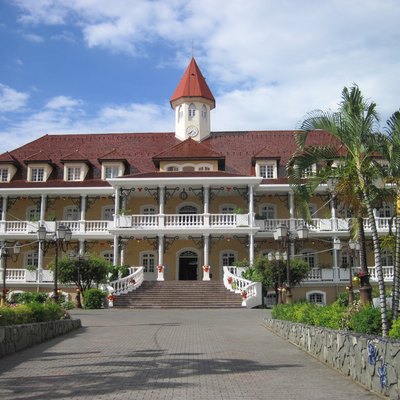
(188, 150)
(8, 158)
(193, 84)
(40, 156)
(113, 155)
(74, 156)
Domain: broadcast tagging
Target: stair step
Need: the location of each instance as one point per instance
(179, 294)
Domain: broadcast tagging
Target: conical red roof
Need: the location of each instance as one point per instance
(193, 84)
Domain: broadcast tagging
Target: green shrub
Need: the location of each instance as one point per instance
(29, 313)
(94, 298)
(68, 305)
(366, 320)
(395, 329)
(28, 297)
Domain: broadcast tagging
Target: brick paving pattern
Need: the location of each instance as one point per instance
(171, 355)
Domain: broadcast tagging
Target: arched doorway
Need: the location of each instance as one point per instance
(188, 266)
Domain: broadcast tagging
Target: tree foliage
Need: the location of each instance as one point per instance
(84, 273)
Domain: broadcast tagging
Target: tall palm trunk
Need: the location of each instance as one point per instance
(365, 289)
(378, 265)
(396, 269)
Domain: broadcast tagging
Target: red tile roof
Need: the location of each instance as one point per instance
(193, 84)
(139, 149)
(40, 156)
(189, 149)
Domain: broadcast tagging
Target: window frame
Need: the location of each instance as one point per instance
(267, 163)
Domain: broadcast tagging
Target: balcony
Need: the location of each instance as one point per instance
(182, 221)
(323, 224)
(327, 274)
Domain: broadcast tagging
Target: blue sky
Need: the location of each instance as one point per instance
(81, 66)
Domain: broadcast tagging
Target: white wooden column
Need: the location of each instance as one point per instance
(83, 212)
(161, 205)
(160, 266)
(4, 208)
(251, 249)
(251, 205)
(206, 266)
(43, 205)
(116, 250)
(116, 205)
(292, 224)
(206, 208)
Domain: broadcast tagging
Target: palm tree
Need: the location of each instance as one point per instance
(353, 126)
(389, 145)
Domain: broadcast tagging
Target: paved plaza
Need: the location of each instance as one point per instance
(171, 355)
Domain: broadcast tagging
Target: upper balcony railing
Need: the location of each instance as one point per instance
(183, 221)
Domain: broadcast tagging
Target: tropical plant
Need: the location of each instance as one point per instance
(84, 273)
(389, 145)
(94, 298)
(353, 127)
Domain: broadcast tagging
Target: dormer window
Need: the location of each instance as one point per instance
(4, 174)
(112, 170)
(267, 169)
(75, 172)
(7, 171)
(37, 174)
(192, 111)
(311, 170)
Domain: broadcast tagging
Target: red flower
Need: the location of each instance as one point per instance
(244, 295)
(230, 279)
(110, 297)
(160, 268)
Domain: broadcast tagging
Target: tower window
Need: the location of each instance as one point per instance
(180, 113)
(204, 112)
(192, 111)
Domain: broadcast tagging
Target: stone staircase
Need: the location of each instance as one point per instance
(179, 294)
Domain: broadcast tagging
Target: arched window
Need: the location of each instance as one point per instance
(187, 209)
(268, 211)
(228, 258)
(227, 208)
(148, 210)
(204, 112)
(172, 168)
(316, 297)
(192, 111)
(108, 255)
(188, 168)
(310, 258)
(33, 213)
(71, 213)
(107, 213)
(148, 261)
(180, 113)
(31, 259)
(204, 168)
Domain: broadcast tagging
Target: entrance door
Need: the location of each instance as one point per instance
(188, 266)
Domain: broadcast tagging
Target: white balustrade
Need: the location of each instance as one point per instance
(251, 292)
(145, 221)
(128, 283)
(96, 226)
(222, 220)
(184, 220)
(15, 275)
(314, 274)
(75, 226)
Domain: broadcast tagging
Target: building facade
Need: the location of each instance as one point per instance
(181, 204)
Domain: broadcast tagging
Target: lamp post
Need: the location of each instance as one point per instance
(284, 236)
(277, 257)
(5, 254)
(60, 236)
(354, 247)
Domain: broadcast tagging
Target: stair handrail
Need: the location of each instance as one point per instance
(251, 292)
(128, 283)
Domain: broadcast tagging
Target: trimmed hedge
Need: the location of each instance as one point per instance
(94, 298)
(32, 312)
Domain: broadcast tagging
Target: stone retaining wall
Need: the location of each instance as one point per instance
(17, 337)
(369, 360)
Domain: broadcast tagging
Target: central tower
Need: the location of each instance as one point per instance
(192, 102)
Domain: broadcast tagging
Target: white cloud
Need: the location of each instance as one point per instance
(58, 118)
(11, 100)
(63, 102)
(267, 62)
(33, 38)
